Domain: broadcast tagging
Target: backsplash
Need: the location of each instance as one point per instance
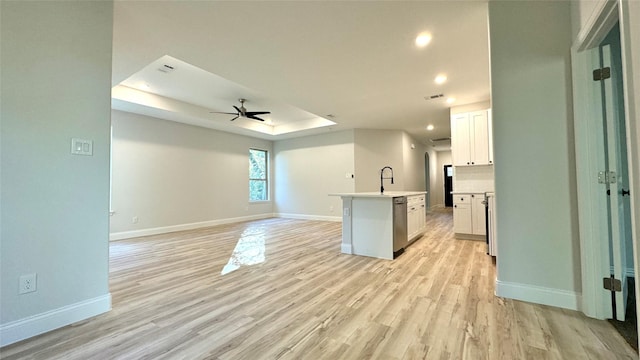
(473, 178)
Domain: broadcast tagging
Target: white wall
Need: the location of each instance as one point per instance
(444, 158)
(413, 164)
(56, 81)
(375, 149)
(309, 168)
(582, 12)
(169, 174)
(434, 174)
(534, 161)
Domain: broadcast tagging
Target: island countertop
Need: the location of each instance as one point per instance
(386, 194)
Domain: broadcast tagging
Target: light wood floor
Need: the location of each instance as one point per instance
(305, 300)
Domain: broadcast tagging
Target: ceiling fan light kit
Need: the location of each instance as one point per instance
(242, 112)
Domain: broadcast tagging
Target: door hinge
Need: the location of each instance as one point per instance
(601, 74)
(612, 284)
(607, 177)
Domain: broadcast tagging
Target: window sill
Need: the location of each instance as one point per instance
(257, 202)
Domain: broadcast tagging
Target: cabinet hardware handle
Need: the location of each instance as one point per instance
(472, 163)
(467, 163)
(626, 192)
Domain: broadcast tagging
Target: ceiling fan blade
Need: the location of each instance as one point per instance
(237, 116)
(258, 112)
(218, 112)
(251, 116)
(239, 111)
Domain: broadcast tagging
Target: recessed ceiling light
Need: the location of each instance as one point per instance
(451, 100)
(423, 39)
(440, 79)
(429, 127)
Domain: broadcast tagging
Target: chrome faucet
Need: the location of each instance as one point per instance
(382, 177)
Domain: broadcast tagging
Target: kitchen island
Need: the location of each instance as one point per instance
(381, 225)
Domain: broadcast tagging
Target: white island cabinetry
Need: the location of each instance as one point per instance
(371, 222)
(416, 216)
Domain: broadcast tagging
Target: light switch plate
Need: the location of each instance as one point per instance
(81, 147)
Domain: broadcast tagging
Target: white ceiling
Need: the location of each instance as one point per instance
(354, 59)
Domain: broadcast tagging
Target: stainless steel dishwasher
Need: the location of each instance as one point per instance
(399, 225)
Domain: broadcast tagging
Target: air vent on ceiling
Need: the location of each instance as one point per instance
(436, 96)
(440, 139)
(166, 68)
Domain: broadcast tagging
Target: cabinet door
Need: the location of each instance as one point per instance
(460, 140)
(478, 213)
(462, 218)
(479, 138)
(411, 222)
(462, 214)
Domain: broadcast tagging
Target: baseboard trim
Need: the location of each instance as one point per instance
(346, 249)
(182, 227)
(539, 295)
(309, 217)
(50, 320)
(460, 236)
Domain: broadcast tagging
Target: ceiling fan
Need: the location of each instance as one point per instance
(242, 112)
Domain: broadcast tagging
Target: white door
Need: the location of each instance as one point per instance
(616, 180)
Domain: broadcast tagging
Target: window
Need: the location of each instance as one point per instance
(258, 189)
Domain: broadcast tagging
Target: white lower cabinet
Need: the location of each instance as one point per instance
(462, 214)
(416, 216)
(469, 214)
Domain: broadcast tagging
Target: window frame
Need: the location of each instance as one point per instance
(266, 176)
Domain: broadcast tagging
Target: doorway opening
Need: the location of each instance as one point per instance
(448, 186)
(618, 211)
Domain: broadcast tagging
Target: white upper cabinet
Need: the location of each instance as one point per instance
(470, 139)
(460, 140)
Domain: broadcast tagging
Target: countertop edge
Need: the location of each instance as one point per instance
(389, 195)
(469, 192)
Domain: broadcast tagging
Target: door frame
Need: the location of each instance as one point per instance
(444, 185)
(587, 117)
(427, 175)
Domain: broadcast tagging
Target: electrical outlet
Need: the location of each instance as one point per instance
(331, 208)
(27, 284)
(134, 220)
